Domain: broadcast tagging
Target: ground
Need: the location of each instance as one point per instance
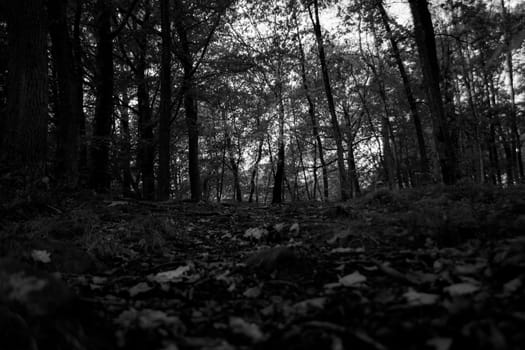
(434, 268)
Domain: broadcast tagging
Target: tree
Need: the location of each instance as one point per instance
(69, 108)
(426, 44)
(343, 182)
(406, 84)
(100, 177)
(24, 142)
(163, 190)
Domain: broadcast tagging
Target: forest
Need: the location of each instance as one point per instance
(240, 174)
(261, 102)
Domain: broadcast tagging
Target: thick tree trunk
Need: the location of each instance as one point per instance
(67, 151)
(190, 107)
(146, 148)
(408, 90)
(426, 44)
(331, 105)
(165, 103)
(79, 90)
(100, 173)
(513, 118)
(24, 145)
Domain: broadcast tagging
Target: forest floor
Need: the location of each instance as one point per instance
(435, 268)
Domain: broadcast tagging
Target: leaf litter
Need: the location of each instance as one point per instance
(299, 276)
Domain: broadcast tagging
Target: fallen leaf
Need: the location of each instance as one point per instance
(252, 292)
(139, 288)
(256, 233)
(145, 319)
(294, 230)
(459, 289)
(469, 269)
(513, 285)
(279, 227)
(352, 279)
(170, 276)
(303, 307)
(42, 256)
(249, 330)
(415, 298)
(440, 343)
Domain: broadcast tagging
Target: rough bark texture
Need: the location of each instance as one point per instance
(67, 111)
(313, 117)
(190, 107)
(426, 44)
(100, 176)
(277, 193)
(408, 90)
(331, 105)
(163, 189)
(145, 128)
(24, 143)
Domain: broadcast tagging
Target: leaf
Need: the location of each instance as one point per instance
(139, 288)
(459, 289)
(440, 343)
(303, 307)
(171, 276)
(145, 319)
(294, 230)
(512, 285)
(352, 279)
(279, 227)
(256, 233)
(42, 256)
(252, 292)
(249, 330)
(415, 298)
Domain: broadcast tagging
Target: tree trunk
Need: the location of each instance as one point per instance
(165, 103)
(313, 118)
(255, 171)
(79, 90)
(125, 144)
(330, 99)
(277, 194)
(426, 44)
(408, 90)
(190, 107)
(24, 145)
(352, 165)
(67, 151)
(515, 132)
(100, 175)
(145, 124)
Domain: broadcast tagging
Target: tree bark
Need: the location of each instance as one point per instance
(277, 194)
(67, 116)
(313, 117)
(100, 176)
(24, 146)
(513, 119)
(165, 103)
(408, 90)
(79, 90)
(426, 44)
(190, 107)
(330, 100)
(125, 144)
(145, 123)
